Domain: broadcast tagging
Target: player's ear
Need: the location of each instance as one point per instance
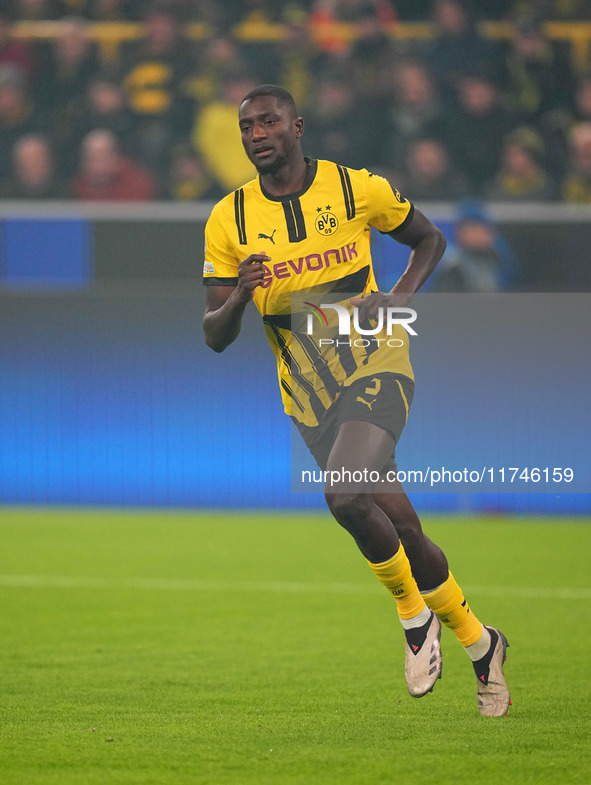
(299, 127)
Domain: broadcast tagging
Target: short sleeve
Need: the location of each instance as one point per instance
(220, 267)
(387, 210)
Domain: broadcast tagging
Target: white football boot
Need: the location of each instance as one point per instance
(423, 657)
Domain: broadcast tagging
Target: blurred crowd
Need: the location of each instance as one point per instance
(452, 115)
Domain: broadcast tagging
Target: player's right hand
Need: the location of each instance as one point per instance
(251, 273)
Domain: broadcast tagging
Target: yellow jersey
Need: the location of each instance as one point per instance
(319, 243)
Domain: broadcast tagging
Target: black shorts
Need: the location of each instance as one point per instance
(382, 399)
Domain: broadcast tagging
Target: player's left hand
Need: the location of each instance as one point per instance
(368, 305)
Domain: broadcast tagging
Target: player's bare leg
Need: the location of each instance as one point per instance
(362, 447)
(486, 646)
(429, 564)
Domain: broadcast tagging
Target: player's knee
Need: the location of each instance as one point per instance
(404, 519)
(350, 509)
(410, 532)
(413, 542)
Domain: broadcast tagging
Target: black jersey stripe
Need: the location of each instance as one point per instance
(354, 283)
(373, 345)
(296, 206)
(346, 358)
(290, 221)
(293, 397)
(347, 192)
(318, 363)
(316, 404)
(294, 218)
(350, 190)
(239, 215)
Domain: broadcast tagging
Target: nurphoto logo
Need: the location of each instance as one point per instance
(388, 317)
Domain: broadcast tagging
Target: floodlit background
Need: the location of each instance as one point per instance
(118, 129)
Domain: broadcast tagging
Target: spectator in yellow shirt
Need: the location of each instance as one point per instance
(576, 186)
(216, 135)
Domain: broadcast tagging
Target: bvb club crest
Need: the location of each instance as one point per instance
(326, 222)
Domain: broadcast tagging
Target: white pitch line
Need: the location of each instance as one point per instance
(279, 587)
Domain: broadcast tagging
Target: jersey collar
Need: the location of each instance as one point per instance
(309, 179)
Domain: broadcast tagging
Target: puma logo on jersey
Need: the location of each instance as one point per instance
(369, 404)
(266, 236)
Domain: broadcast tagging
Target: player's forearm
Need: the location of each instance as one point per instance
(421, 263)
(222, 326)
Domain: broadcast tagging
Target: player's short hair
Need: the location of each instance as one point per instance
(283, 96)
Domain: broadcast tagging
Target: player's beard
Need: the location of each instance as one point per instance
(270, 167)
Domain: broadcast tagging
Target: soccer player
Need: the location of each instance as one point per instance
(303, 227)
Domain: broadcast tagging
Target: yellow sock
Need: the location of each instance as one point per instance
(396, 575)
(452, 609)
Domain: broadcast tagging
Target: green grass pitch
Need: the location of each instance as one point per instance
(215, 648)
